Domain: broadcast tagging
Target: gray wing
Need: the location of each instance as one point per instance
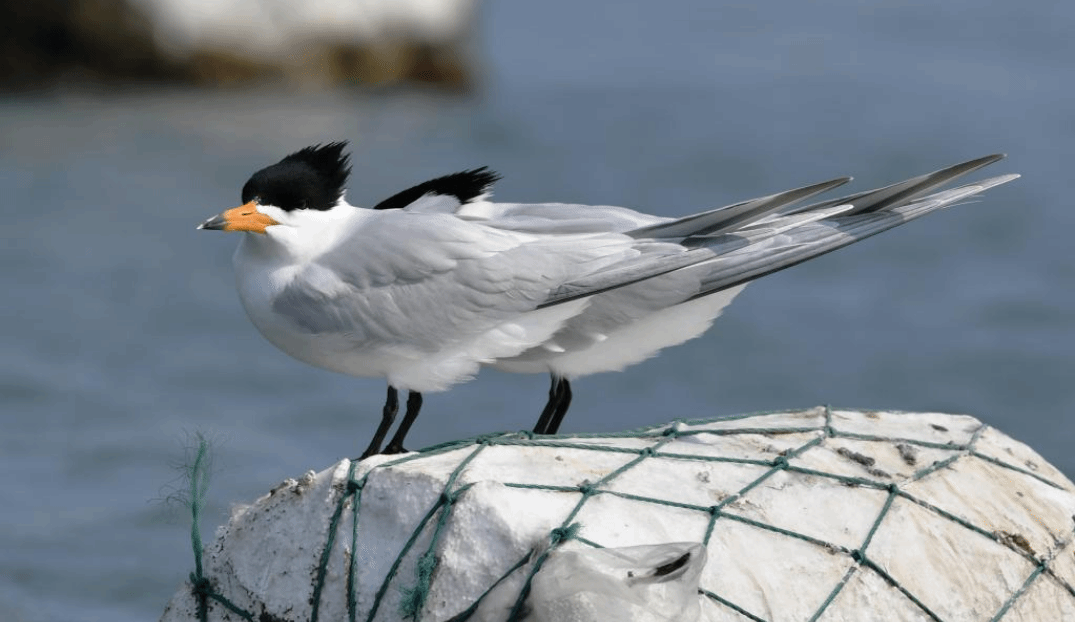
(556, 218)
(904, 191)
(565, 218)
(428, 281)
(731, 217)
(775, 242)
(828, 235)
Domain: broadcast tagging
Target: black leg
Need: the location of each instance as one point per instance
(561, 407)
(414, 404)
(555, 395)
(388, 415)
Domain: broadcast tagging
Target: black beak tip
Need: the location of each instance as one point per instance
(216, 223)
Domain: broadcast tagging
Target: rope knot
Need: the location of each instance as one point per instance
(647, 452)
(586, 489)
(714, 510)
(354, 486)
(201, 586)
(893, 488)
(780, 462)
(858, 556)
(560, 534)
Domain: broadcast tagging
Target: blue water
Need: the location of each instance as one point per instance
(122, 334)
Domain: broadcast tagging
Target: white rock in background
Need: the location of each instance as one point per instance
(858, 515)
(279, 28)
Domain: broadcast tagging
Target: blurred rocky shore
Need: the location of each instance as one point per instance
(315, 43)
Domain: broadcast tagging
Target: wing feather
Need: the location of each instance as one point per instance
(452, 282)
(781, 241)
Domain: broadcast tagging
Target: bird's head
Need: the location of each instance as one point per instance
(309, 180)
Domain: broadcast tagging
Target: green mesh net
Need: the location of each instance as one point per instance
(925, 504)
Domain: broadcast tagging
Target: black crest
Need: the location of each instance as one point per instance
(311, 178)
(465, 186)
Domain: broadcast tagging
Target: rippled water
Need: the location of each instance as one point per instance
(122, 334)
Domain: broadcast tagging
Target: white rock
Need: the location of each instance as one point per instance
(858, 515)
(275, 28)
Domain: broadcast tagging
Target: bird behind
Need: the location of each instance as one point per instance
(438, 280)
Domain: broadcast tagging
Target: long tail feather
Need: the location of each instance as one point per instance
(749, 241)
(731, 217)
(897, 194)
(826, 236)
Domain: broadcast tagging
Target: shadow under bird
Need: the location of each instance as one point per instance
(436, 281)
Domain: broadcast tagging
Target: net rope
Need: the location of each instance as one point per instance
(416, 588)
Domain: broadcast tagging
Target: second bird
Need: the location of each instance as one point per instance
(436, 281)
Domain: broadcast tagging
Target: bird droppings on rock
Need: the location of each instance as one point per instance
(908, 453)
(854, 456)
(1016, 540)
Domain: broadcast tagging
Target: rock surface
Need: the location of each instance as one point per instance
(841, 514)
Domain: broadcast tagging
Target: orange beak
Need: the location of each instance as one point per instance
(243, 218)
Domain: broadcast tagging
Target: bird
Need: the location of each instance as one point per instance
(437, 281)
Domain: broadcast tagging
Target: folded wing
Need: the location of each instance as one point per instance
(773, 242)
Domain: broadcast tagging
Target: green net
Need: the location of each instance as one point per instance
(770, 453)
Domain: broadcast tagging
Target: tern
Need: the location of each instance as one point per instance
(437, 281)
